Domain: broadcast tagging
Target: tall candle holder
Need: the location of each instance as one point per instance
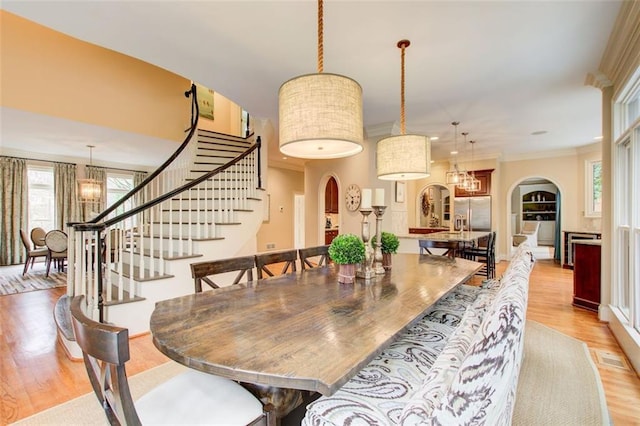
(377, 267)
(366, 271)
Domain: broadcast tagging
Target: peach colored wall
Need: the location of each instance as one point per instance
(47, 72)
(282, 185)
(227, 117)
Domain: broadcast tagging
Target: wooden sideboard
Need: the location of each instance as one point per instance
(586, 274)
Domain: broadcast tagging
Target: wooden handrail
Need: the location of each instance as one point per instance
(195, 112)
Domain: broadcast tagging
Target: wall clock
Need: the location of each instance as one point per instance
(353, 196)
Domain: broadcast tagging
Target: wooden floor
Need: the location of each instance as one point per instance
(35, 373)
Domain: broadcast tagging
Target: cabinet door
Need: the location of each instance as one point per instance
(331, 196)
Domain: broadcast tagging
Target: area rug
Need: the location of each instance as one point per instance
(559, 383)
(34, 279)
(86, 410)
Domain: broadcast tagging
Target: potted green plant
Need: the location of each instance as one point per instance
(347, 251)
(390, 243)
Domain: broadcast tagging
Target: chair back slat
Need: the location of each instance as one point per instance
(105, 349)
(313, 257)
(202, 271)
(451, 247)
(287, 257)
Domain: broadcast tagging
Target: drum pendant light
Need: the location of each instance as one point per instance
(320, 115)
(403, 157)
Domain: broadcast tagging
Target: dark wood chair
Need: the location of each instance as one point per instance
(485, 254)
(56, 242)
(451, 248)
(191, 397)
(288, 258)
(313, 257)
(31, 254)
(202, 271)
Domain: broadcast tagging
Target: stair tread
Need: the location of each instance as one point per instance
(137, 276)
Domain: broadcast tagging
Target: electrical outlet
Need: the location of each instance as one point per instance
(271, 246)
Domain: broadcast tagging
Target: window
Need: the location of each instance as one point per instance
(41, 209)
(593, 197)
(626, 205)
(118, 185)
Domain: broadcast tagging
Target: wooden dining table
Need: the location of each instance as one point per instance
(302, 331)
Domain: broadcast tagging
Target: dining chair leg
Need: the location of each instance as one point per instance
(48, 266)
(26, 265)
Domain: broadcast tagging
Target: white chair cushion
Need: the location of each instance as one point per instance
(193, 398)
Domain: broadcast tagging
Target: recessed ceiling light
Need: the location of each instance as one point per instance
(284, 158)
(539, 132)
(434, 138)
(454, 152)
(597, 138)
(433, 161)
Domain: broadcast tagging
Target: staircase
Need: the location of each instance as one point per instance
(205, 202)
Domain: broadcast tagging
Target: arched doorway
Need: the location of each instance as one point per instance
(535, 217)
(433, 207)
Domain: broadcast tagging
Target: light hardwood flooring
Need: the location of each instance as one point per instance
(35, 373)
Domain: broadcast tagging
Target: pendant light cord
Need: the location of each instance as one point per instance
(320, 37)
(402, 44)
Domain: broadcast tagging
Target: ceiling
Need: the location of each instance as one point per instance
(511, 72)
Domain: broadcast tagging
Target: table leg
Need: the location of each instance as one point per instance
(282, 400)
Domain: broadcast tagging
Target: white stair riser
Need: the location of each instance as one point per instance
(202, 216)
(202, 203)
(175, 229)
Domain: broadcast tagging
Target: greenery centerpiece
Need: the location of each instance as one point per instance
(347, 251)
(390, 244)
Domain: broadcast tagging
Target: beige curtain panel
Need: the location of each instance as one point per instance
(14, 197)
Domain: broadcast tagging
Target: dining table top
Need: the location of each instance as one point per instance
(302, 330)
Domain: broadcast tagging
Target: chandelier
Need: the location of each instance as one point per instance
(403, 157)
(456, 176)
(90, 189)
(320, 115)
(472, 184)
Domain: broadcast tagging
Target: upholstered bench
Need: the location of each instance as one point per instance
(458, 364)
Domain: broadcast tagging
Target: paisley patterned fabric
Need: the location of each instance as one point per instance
(458, 365)
(450, 309)
(379, 392)
(437, 380)
(484, 387)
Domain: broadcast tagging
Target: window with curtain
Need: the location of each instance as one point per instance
(42, 198)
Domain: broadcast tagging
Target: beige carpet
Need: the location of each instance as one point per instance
(12, 281)
(86, 410)
(559, 383)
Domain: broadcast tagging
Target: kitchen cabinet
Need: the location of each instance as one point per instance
(484, 176)
(586, 274)
(329, 235)
(331, 196)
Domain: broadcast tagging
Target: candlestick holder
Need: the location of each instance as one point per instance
(377, 266)
(366, 271)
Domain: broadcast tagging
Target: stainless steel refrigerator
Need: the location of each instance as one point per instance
(475, 211)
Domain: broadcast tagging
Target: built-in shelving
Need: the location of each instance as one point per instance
(539, 206)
